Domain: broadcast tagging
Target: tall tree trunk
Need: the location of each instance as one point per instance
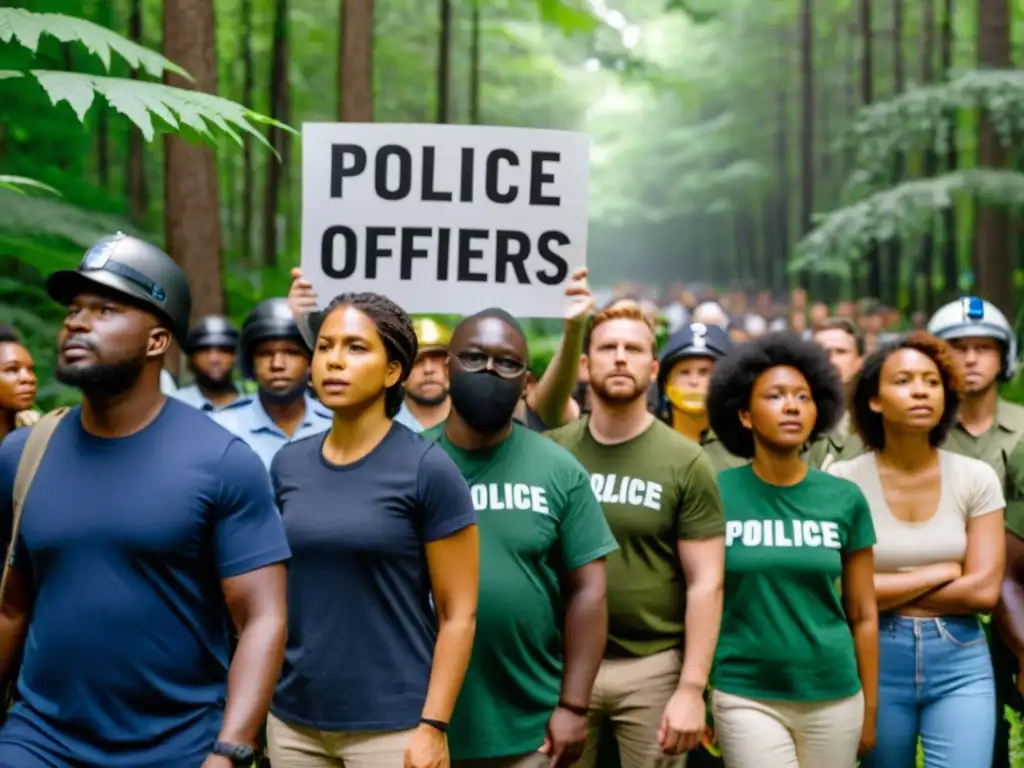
(248, 88)
(895, 250)
(138, 186)
(950, 254)
(444, 62)
(807, 170)
(277, 138)
(192, 200)
(993, 262)
(867, 75)
(474, 64)
(355, 68)
(931, 159)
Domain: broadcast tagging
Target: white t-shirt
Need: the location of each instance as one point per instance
(970, 488)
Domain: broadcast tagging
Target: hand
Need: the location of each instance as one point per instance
(948, 571)
(26, 418)
(428, 748)
(581, 301)
(564, 738)
(683, 722)
(301, 296)
(867, 735)
(217, 761)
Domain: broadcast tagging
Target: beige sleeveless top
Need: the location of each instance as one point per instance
(970, 488)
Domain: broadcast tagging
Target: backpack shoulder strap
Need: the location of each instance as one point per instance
(31, 458)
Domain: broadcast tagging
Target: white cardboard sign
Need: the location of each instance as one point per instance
(445, 218)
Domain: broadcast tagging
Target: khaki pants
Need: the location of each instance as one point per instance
(754, 733)
(632, 694)
(295, 746)
(529, 760)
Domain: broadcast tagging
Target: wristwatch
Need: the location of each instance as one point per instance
(239, 754)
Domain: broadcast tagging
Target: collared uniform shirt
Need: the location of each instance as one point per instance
(720, 457)
(1001, 446)
(253, 424)
(841, 444)
(192, 395)
(406, 419)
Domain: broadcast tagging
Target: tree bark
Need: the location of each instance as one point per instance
(895, 249)
(192, 200)
(444, 61)
(993, 264)
(950, 254)
(248, 88)
(807, 144)
(278, 139)
(138, 186)
(355, 75)
(474, 64)
(931, 159)
(867, 96)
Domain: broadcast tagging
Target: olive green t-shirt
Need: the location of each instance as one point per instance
(784, 631)
(655, 489)
(538, 519)
(841, 444)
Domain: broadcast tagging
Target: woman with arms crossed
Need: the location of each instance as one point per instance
(939, 558)
(381, 525)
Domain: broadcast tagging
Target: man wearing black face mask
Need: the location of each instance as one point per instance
(542, 619)
(272, 352)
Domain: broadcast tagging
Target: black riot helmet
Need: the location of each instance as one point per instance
(137, 271)
(270, 320)
(211, 331)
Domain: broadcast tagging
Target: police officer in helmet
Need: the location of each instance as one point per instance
(211, 346)
(426, 401)
(273, 354)
(146, 530)
(991, 429)
(686, 362)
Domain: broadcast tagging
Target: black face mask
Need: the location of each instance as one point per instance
(483, 400)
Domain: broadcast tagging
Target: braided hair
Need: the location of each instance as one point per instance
(394, 326)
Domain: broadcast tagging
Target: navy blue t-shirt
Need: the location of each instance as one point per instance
(361, 626)
(125, 541)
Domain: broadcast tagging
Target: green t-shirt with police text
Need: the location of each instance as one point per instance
(538, 519)
(656, 489)
(784, 631)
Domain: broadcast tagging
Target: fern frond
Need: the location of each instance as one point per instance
(25, 28)
(139, 101)
(17, 184)
(39, 217)
(904, 211)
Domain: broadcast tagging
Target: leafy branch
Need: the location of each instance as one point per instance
(905, 211)
(919, 119)
(19, 184)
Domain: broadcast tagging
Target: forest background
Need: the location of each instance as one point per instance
(855, 147)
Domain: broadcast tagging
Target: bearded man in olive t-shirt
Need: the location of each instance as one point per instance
(660, 497)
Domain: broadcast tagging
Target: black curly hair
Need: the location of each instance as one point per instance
(8, 335)
(732, 383)
(396, 332)
(869, 424)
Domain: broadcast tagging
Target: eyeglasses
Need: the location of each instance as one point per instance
(98, 258)
(475, 362)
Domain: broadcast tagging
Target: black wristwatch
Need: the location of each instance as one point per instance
(239, 754)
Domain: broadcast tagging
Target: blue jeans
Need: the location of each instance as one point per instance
(936, 682)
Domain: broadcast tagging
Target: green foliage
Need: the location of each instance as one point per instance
(919, 119)
(21, 26)
(20, 183)
(904, 211)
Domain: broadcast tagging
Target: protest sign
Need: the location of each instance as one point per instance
(445, 218)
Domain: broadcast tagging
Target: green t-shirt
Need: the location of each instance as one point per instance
(784, 632)
(538, 519)
(657, 488)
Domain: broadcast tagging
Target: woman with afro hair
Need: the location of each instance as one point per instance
(795, 673)
(939, 558)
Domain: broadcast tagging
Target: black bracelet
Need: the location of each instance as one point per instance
(581, 711)
(436, 724)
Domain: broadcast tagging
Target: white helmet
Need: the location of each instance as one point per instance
(971, 317)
